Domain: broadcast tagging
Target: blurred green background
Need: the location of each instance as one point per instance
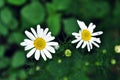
(60, 16)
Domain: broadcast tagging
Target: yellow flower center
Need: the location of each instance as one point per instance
(86, 35)
(39, 43)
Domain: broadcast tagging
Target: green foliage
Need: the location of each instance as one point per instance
(2, 3)
(2, 50)
(6, 15)
(60, 16)
(54, 23)
(3, 30)
(18, 59)
(70, 28)
(33, 13)
(16, 2)
(15, 37)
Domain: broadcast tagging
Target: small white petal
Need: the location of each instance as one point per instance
(43, 55)
(47, 53)
(88, 47)
(95, 44)
(81, 25)
(29, 35)
(37, 54)
(23, 44)
(38, 30)
(33, 31)
(51, 49)
(52, 43)
(31, 52)
(45, 31)
(41, 33)
(96, 39)
(50, 39)
(84, 44)
(79, 44)
(29, 47)
(75, 34)
(76, 40)
(97, 33)
(91, 27)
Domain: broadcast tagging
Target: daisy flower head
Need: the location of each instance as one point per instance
(86, 36)
(40, 43)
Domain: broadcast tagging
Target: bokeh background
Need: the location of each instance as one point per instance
(60, 16)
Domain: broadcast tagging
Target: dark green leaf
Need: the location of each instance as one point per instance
(2, 50)
(3, 30)
(70, 26)
(15, 37)
(2, 2)
(54, 23)
(18, 59)
(33, 13)
(22, 75)
(4, 62)
(16, 2)
(6, 15)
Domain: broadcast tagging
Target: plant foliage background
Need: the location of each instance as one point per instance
(60, 17)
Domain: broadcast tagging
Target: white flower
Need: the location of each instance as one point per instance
(86, 36)
(39, 42)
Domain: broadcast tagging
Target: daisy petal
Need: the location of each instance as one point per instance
(28, 47)
(95, 44)
(97, 33)
(38, 30)
(84, 44)
(79, 44)
(33, 31)
(76, 40)
(37, 54)
(88, 47)
(51, 49)
(43, 55)
(52, 43)
(23, 44)
(81, 25)
(91, 27)
(30, 53)
(47, 53)
(29, 35)
(75, 34)
(96, 39)
(50, 39)
(45, 32)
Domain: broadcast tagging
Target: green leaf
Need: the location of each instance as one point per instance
(15, 37)
(18, 59)
(3, 30)
(2, 50)
(22, 75)
(70, 26)
(96, 11)
(54, 23)
(13, 25)
(4, 62)
(16, 2)
(61, 5)
(2, 2)
(33, 13)
(12, 76)
(6, 16)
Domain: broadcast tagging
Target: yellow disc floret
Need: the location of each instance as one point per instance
(39, 43)
(86, 35)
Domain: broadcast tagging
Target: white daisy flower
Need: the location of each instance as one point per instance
(86, 36)
(39, 42)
